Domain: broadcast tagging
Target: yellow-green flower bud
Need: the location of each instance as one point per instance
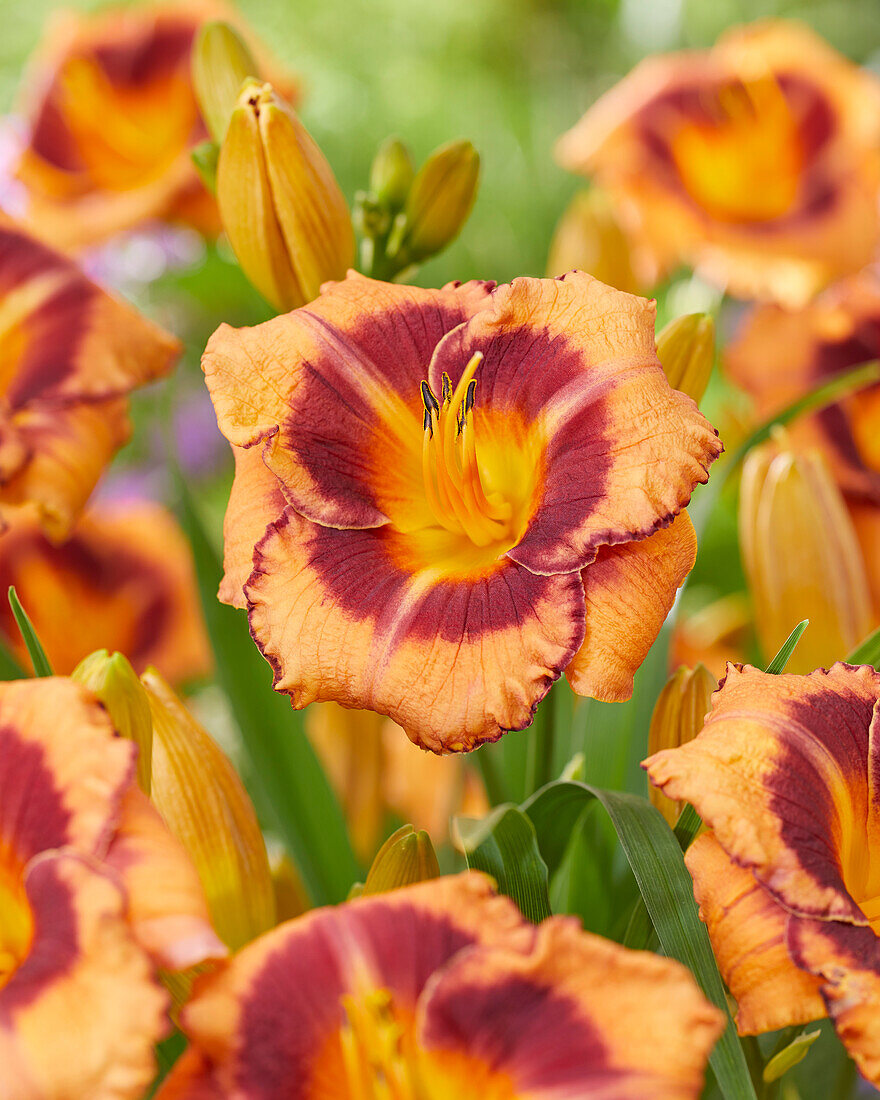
(280, 204)
(678, 717)
(203, 802)
(407, 856)
(115, 683)
(801, 556)
(440, 200)
(686, 350)
(221, 62)
(392, 174)
(589, 238)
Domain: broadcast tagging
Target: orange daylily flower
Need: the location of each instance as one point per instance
(784, 772)
(442, 989)
(112, 119)
(757, 162)
(446, 498)
(71, 353)
(94, 894)
(124, 580)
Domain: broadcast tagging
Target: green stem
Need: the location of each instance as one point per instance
(487, 766)
(539, 761)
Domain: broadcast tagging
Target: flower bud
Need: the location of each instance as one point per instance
(678, 717)
(686, 350)
(801, 556)
(406, 857)
(202, 800)
(439, 202)
(115, 683)
(392, 173)
(280, 204)
(589, 238)
(221, 62)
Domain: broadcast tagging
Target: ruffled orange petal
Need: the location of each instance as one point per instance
(456, 660)
(620, 450)
(255, 501)
(559, 1021)
(781, 773)
(125, 577)
(165, 902)
(748, 933)
(191, 1078)
(80, 1016)
(629, 591)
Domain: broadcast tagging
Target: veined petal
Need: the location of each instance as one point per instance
(558, 1022)
(621, 451)
(125, 577)
(334, 387)
(349, 616)
(165, 901)
(784, 772)
(80, 1016)
(58, 735)
(255, 501)
(629, 589)
(747, 928)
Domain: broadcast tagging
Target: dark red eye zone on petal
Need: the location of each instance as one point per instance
(33, 816)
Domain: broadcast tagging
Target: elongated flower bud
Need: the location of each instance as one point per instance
(440, 200)
(801, 557)
(221, 62)
(686, 350)
(115, 683)
(678, 717)
(406, 857)
(392, 174)
(280, 204)
(203, 802)
(589, 238)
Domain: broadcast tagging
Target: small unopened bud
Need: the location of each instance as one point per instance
(589, 238)
(280, 204)
(406, 857)
(392, 174)
(203, 802)
(686, 350)
(439, 201)
(221, 62)
(801, 556)
(115, 683)
(678, 717)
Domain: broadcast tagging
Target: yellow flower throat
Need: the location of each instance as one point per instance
(453, 486)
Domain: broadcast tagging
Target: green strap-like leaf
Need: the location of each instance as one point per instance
(867, 652)
(35, 649)
(777, 665)
(504, 845)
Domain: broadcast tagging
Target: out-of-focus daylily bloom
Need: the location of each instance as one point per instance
(713, 634)
(112, 119)
(446, 498)
(376, 773)
(71, 353)
(94, 893)
(589, 237)
(757, 162)
(442, 989)
(785, 773)
(123, 580)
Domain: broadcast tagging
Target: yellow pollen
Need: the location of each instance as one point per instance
(377, 1067)
(451, 472)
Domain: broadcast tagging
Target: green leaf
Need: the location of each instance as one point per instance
(658, 865)
(790, 1055)
(777, 665)
(205, 157)
(10, 669)
(292, 782)
(35, 650)
(867, 652)
(504, 845)
(687, 826)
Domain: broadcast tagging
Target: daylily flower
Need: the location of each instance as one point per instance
(123, 580)
(445, 498)
(785, 773)
(112, 118)
(94, 894)
(71, 355)
(757, 162)
(442, 989)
